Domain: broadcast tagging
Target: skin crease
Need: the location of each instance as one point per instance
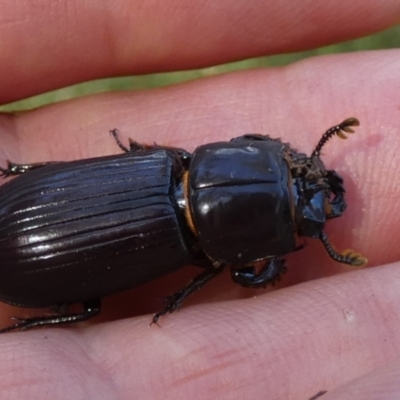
(334, 333)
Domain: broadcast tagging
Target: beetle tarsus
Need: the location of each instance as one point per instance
(175, 301)
(270, 273)
(92, 309)
(348, 256)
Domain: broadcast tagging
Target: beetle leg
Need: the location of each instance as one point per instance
(18, 169)
(319, 394)
(270, 273)
(92, 308)
(346, 257)
(175, 301)
(114, 133)
(136, 146)
(133, 145)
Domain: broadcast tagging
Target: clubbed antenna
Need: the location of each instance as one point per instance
(348, 256)
(338, 130)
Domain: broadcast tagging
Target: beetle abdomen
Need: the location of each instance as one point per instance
(76, 231)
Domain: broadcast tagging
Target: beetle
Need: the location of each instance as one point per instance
(74, 232)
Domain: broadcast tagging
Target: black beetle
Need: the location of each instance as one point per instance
(74, 232)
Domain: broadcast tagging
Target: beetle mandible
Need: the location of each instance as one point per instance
(74, 232)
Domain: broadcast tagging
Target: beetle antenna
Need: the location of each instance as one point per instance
(348, 256)
(338, 130)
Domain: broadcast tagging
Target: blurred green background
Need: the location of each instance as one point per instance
(383, 40)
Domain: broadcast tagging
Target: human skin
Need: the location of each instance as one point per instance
(325, 328)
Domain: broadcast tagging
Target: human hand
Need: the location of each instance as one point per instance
(286, 344)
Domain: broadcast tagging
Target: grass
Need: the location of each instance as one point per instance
(383, 40)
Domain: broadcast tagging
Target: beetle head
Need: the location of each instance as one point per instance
(317, 197)
(319, 194)
(311, 198)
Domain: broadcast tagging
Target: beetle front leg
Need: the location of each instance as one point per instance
(18, 169)
(249, 277)
(175, 301)
(92, 308)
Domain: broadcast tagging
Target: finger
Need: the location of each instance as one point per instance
(291, 343)
(280, 102)
(382, 383)
(283, 103)
(83, 41)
